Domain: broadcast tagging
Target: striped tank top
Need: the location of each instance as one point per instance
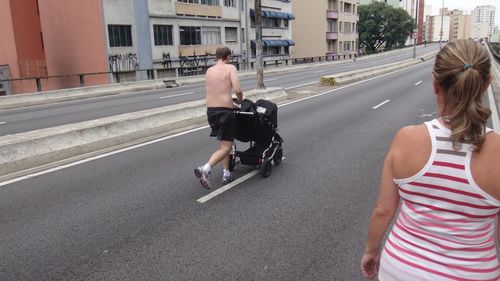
(446, 223)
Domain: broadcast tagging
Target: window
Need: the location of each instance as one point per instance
(163, 35)
(190, 35)
(243, 35)
(189, 1)
(210, 2)
(332, 26)
(231, 34)
(271, 22)
(211, 36)
(120, 35)
(285, 23)
(230, 3)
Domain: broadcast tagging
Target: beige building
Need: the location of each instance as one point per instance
(460, 25)
(325, 28)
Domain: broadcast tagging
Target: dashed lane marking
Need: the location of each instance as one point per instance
(178, 95)
(380, 104)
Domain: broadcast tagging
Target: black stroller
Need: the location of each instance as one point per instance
(257, 123)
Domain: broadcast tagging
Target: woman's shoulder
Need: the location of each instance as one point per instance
(491, 145)
(408, 135)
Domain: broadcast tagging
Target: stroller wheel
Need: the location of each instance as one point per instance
(278, 156)
(266, 168)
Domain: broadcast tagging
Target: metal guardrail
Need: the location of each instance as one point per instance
(495, 50)
(192, 66)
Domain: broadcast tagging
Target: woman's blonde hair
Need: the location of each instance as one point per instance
(462, 70)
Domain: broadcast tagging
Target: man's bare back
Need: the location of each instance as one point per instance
(220, 80)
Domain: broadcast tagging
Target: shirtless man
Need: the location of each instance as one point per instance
(220, 80)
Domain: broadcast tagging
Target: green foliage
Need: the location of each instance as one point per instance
(381, 25)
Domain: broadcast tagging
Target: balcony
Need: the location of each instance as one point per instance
(332, 35)
(198, 10)
(198, 50)
(331, 14)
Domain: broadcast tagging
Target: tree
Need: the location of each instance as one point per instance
(258, 44)
(381, 25)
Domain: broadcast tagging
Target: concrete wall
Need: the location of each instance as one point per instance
(309, 28)
(74, 41)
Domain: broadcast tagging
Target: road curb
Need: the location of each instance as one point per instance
(27, 150)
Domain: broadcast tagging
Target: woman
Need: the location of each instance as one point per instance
(447, 174)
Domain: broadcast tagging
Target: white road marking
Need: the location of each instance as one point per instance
(227, 187)
(186, 132)
(418, 83)
(270, 79)
(1, 123)
(301, 85)
(178, 95)
(380, 104)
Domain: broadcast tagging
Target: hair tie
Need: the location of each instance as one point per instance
(467, 66)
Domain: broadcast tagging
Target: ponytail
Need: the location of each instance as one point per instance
(462, 70)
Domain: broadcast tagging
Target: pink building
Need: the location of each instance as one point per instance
(51, 38)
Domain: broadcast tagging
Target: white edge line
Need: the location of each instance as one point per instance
(182, 133)
(494, 111)
(380, 104)
(1, 123)
(227, 187)
(297, 86)
(178, 95)
(418, 83)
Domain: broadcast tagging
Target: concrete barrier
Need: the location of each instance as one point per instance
(23, 100)
(348, 77)
(25, 151)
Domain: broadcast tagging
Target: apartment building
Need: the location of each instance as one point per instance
(483, 21)
(50, 38)
(326, 28)
(277, 29)
(416, 9)
(61, 38)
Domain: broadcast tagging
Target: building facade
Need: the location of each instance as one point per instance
(277, 29)
(416, 9)
(483, 21)
(131, 37)
(326, 28)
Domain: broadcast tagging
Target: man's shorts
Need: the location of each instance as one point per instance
(222, 120)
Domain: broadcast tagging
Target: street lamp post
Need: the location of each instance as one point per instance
(441, 32)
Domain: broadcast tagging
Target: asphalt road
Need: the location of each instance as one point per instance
(134, 215)
(38, 117)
